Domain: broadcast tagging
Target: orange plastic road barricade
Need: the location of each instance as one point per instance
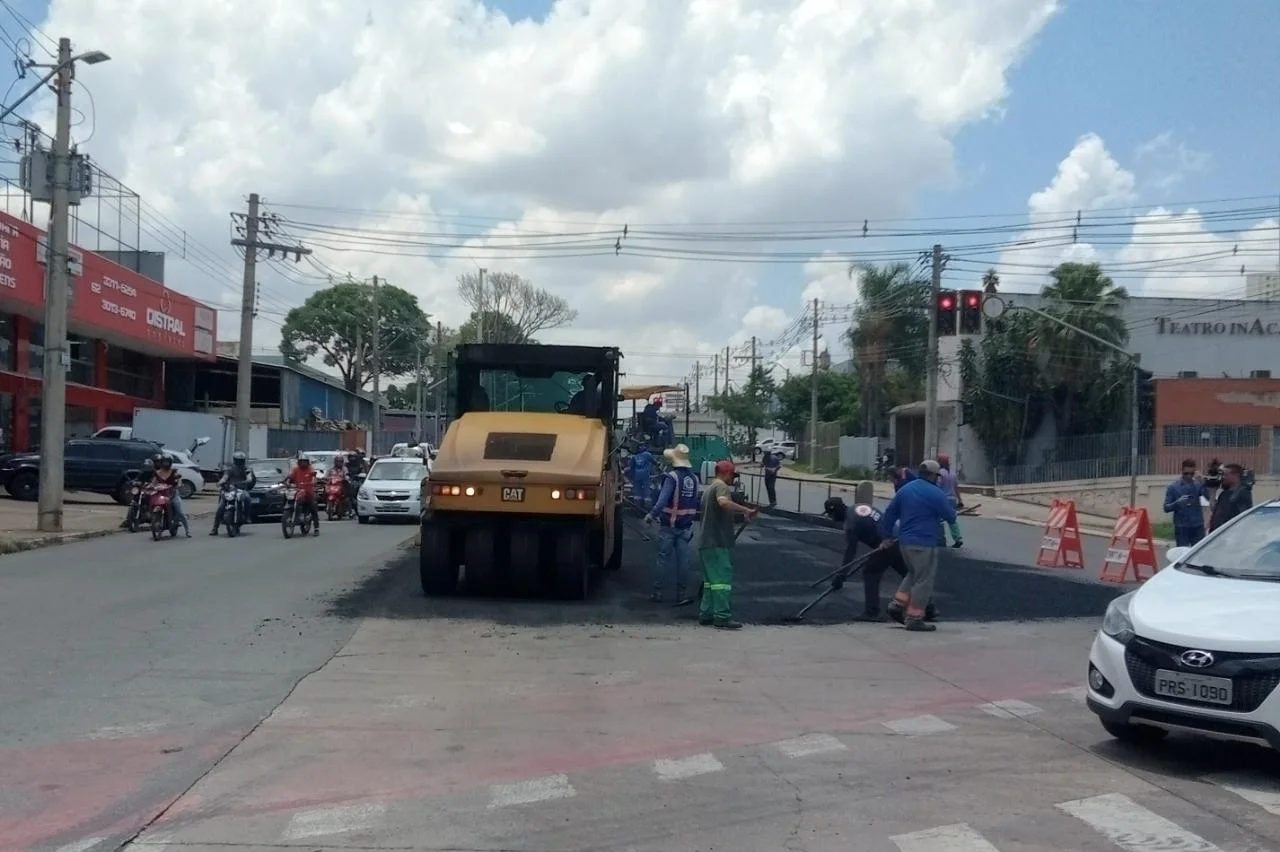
(1131, 551)
(1060, 546)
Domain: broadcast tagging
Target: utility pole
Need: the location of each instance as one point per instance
(57, 356)
(931, 361)
(727, 362)
(813, 396)
(253, 227)
(377, 371)
(753, 356)
(480, 313)
(715, 377)
(417, 386)
(697, 383)
(437, 377)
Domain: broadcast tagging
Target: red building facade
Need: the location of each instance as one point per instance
(122, 327)
(1232, 420)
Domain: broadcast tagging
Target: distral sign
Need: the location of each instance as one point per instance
(106, 297)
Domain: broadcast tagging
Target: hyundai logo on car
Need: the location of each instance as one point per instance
(1196, 659)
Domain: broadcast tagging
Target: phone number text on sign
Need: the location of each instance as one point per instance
(112, 284)
(119, 310)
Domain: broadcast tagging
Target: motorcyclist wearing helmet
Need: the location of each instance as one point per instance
(356, 466)
(166, 475)
(303, 478)
(142, 480)
(241, 477)
(338, 473)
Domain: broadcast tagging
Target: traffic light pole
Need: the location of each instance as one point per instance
(931, 362)
(999, 307)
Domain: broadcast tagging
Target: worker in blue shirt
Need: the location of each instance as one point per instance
(917, 512)
(1182, 500)
(641, 469)
(675, 509)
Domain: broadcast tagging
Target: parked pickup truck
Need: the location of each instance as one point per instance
(96, 465)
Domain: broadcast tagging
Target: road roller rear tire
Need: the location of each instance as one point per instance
(573, 565)
(526, 566)
(437, 569)
(480, 560)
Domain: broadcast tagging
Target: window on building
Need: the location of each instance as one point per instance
(35, 360)
(1212, 436)
(8, 345)
(81, 360)
(130, 372)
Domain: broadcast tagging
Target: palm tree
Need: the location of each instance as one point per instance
(889, 326)
(1082, 296)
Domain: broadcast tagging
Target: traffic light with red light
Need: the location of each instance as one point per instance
(970, 312)
(947, 313)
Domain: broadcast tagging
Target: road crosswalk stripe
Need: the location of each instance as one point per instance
(1009, 709)
(533, 790)
(919, 725)
(1256, 789)
(809, 744)
(1132, 827)
(687, 767)
(945, 838)
(339, 820)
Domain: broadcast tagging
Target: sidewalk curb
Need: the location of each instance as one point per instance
(1158, 542)
(10, 545)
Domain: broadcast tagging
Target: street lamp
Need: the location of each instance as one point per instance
(994, 307)
(57, 357)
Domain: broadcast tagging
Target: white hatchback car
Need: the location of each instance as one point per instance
(392, 489)
(1197, 647)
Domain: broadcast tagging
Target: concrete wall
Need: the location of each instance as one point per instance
(859, 451)
(1105, 497)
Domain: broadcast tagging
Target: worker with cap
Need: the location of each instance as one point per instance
(715, 547)
(675, 510)
(912, 520)
(862, 527)
(951, 487)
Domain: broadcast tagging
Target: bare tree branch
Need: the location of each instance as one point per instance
(531, 309)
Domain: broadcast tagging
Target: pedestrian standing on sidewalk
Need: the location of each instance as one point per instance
(916, 511)
(715, 548)
(1182, 500)
(951, 487)
(1236, 495)
(772, 463)
(675, 509)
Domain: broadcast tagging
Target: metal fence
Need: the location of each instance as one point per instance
(1160, 453)
(828, 446)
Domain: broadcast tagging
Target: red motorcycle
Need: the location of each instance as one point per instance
(335, 497)
(159, 497)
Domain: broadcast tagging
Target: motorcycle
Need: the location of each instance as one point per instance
(232, 508)
(160, 508)
(335, 497)
(135, 506)
(295, 514)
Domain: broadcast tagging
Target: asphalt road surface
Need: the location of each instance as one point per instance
(400, 723)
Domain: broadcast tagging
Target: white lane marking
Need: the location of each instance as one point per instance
(533, 790)
(1132, 827)
(337, 820)
(81, 845)
(687, 767)
(1075, 693)
(1263, 792)
(945, 838)
(1009, 709)
(124, 732)
(809, 744)
(919, 725)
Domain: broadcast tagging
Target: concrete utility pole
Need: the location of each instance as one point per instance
(253, 227)
(377, 372)
(435, 379)
(697, 384)
(931, 361)
(417, 388)
(727, 362)
(813, 395)
(754, 358)
(480, 313)
(715, 377)
(57, 356)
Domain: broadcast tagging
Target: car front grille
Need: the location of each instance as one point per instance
(1254, 676)
(387, 498)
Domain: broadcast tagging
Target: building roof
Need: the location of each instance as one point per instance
(229, 350)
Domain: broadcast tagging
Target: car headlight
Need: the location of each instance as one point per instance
(1116, 623)
(364, 495)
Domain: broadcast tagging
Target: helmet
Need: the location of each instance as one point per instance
(304, 461)
(725, 467)
(238, 458)
(339, 460)
(164, 462)
(148, 465)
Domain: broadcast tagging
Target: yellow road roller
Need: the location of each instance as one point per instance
(524, 494)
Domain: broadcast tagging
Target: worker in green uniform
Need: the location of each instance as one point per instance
(715, 547)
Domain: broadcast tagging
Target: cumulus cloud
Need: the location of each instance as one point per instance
(1152, 251)
(607, 112)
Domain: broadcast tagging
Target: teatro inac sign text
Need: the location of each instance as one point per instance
(1257, 327)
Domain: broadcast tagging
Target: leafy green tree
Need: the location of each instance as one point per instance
(337, 324)
(1081, 295)
(1004, 388)
(887, 337)
(751, 406)
(498, 328)
(838, 400)
(528, 309)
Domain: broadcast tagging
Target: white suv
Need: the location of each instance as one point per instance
(1197, 647)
